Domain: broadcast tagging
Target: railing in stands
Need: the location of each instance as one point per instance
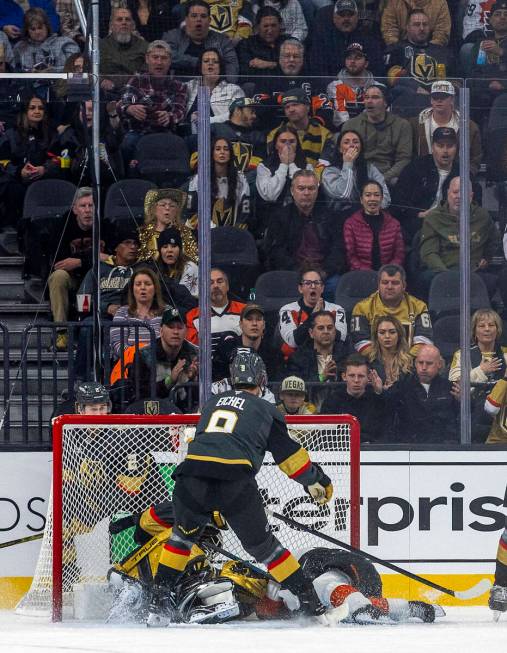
(48, 376)
(5, 406)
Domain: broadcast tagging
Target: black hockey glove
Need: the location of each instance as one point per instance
(322, 490)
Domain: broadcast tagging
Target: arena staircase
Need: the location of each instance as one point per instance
(22, 304)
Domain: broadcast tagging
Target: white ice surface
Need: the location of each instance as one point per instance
(463, 630)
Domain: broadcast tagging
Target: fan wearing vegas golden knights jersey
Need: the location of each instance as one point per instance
(233, 434)
(411, 312)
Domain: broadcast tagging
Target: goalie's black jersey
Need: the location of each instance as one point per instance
(235, 431)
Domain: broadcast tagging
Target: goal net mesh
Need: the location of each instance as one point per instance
(111, 470)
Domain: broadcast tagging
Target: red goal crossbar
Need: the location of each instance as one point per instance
(167, 420)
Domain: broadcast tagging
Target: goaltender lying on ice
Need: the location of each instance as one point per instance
(213, 592)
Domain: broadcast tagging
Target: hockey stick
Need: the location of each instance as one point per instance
(28, 538)
(472, 592)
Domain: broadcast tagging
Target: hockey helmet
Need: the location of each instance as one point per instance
(89, 392)
(247, 369)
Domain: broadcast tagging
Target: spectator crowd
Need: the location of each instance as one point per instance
(335, 179)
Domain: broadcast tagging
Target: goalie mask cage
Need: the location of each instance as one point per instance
(105, 467)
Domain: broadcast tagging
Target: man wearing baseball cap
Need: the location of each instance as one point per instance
(252, 326)
(421, 185)
(442, 113)
(249, 142)
(334, 29)
(315, 139)
(347, 91)
(175, 359)
(292, 396)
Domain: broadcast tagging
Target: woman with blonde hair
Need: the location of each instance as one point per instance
(390, 353)
(488, 358)
(162, 209)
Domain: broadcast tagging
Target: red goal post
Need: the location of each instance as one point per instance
(332, 441)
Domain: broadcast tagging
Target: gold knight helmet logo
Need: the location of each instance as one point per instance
(221, 18)
(242, 154)
(423, 68)
(152, 407)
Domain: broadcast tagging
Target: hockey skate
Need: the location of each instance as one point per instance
(162, 610)
(498, 600)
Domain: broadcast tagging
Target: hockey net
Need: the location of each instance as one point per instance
(105, 468)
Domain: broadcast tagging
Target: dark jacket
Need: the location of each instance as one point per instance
(272, 357)
(141, 370)
(329, 45)
(404, 56)
(186, 64)
(68, 240)
(34, 148)
(161, 18)
(426, 418)
(416, 190)
(114, 280)
(77, 140)
(369, 409)
(255, 48)
(285, 235)
(303, 362)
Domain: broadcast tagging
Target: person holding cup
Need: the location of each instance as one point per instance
(115, 274)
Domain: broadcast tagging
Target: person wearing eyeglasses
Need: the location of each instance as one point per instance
(294, 323)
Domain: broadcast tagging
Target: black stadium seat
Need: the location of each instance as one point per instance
(234, 250)
(125, 200)
(444, 295)
(276, 288)
(354, 286)
(46, 201)
(48, 198)
(163, 159)
(446, 335)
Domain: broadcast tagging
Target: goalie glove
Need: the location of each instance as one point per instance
(322, 490)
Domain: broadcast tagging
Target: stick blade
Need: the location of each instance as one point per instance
(476, 590)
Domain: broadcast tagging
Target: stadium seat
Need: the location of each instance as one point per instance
(125, 200)
(234, 250)
(446, 335)
(163, 159)
(272, 290)
(354, 286)
(231, 246)
(46, 201)
(48, 198)
(444, 293)
(276, 288)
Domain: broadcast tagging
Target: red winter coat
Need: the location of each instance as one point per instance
(358, 239)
